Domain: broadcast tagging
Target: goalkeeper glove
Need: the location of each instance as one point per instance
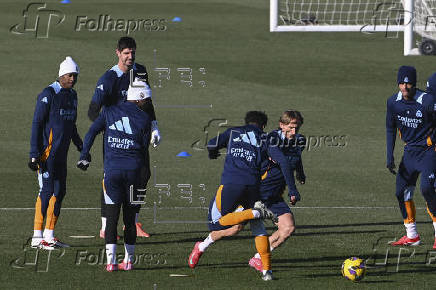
(155, 134)
(33, 164)
(83, 163)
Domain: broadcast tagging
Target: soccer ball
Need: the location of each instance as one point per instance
(353, 269)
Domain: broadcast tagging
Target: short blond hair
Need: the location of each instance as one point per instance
(289, 115)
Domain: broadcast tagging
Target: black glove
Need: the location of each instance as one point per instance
(301, 178)
(83, 164)
(391, 167)
(33, 164)
(213, 154)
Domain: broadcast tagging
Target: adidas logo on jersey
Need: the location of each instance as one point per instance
(44, 100)
(100, 87)
(122, 125)
(418, 114)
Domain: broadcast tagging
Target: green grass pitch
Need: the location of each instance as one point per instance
(339, 81)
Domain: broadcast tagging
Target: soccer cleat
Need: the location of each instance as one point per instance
(102, 235)
(405, 241)
(35, 242)
(267, 276)
(265, 213)
(55, 243)
(125, 266)
(256, 263)
(140, 232)
(195, 255)
(111, 267)
(44, 245)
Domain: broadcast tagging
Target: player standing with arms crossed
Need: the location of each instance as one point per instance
(110, 90)
(53, 129)
(127, 134)
(413, 113)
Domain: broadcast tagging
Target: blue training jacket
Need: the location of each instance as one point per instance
(54, 124)
(113, 85)
(127, 134)
(247, 148)
(414, 119)
(273, 179)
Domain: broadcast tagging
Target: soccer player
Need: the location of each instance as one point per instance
(412, 112)
(53, 129)
(127, 134)
(111, 89)
(240, 183)
(273, 182)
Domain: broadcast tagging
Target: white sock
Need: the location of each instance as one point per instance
(206, 243)
(257, 255)
(411, 230)
(103, 223)
(256, 213)
(37, 233)
(129, 255)
(434, 225)
(111, 250)
(48, 234)
(136, 217)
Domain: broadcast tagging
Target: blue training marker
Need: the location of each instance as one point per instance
(177, 19)
(183, 154)
(65, 1)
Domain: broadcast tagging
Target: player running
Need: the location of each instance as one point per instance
(413, 113)
(273, 185)
(127, 134)
(273, 181)
(110, 90)
(240, 183)
(53, 129)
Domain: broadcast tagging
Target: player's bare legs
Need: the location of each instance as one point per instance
(286, 226)
(213, 236)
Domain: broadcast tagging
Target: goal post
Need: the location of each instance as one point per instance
(367, 16)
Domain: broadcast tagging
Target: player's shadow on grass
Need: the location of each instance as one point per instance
(394, 223)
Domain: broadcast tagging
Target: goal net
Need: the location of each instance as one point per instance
(410, 16)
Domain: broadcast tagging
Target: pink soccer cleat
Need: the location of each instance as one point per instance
(140, 232)
(125, 266)
(256, 263)
(111, 267)
(195, 255)
(405, 241)
(434, 245)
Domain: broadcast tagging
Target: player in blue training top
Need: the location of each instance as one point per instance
(126, 139)
(110, 90)
(235, 201)
(273, 182)
(412, 112)
(53, 128)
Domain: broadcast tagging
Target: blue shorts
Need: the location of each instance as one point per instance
(278, 206)
(227, 199)
(117, 186)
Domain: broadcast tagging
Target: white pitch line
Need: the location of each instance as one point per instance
(198, 207)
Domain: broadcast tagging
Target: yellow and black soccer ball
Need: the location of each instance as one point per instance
(353, 269)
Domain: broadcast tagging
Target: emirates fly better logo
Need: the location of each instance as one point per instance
(38, 20)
